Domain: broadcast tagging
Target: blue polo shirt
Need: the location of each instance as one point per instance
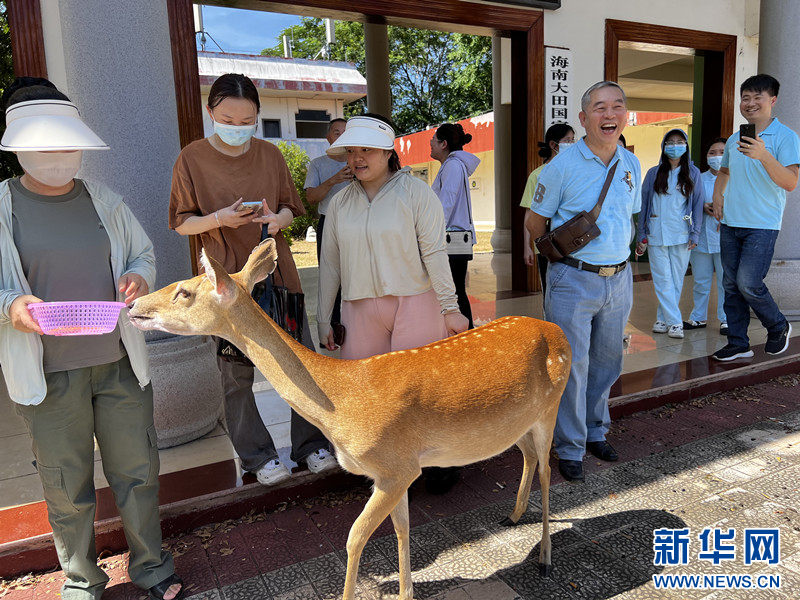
(752, 199)
(572, 182)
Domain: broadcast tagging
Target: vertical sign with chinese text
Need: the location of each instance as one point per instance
(558, 87)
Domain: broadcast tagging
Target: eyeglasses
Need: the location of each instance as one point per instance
(672, 144)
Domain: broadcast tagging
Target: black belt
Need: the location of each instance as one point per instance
(602, 270)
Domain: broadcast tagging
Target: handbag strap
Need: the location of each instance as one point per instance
(597, 207)
(264, 236)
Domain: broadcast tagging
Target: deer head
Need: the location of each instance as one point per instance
(199, 305)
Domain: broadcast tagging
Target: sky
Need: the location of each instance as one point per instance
(243, 31)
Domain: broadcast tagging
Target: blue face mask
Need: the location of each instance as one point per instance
(715, 162)
(675, 151)
(234, 135)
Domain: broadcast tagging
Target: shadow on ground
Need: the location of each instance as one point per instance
(598, 557)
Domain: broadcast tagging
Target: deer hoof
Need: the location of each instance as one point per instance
(507, 522)
(545, 570)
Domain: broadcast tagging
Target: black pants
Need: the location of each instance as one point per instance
(336, 317)
(458, 268)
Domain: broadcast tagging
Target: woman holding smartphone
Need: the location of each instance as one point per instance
(215, 183)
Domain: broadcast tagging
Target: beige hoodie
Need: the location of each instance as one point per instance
(392, 246)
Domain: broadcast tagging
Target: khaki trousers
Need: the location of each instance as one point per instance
(104, 402)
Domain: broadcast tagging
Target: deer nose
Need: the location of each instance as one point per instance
(131, 304)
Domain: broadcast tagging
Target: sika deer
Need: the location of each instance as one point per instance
(453, 402)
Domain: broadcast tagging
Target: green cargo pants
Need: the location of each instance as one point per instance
(107, 402)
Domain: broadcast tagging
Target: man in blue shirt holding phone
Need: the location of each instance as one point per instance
(749, 198)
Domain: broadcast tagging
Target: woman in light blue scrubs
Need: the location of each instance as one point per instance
(706, 258)
(669, 226)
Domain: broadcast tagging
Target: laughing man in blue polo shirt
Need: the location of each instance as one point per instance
(749, 198)
(590, 292)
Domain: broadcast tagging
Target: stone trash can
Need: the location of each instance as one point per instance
(187, 391)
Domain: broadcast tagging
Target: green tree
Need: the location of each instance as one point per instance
(298, 160)
(435, 77)
(9, 167)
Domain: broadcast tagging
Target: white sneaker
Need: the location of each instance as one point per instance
(272, 473)
(675, 331)
(321, 460)
(659, 327)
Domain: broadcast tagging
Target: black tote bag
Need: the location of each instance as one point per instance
(286, 308)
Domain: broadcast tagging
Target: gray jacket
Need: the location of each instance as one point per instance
(131, 252)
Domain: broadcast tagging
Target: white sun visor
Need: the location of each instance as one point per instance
(45, 125)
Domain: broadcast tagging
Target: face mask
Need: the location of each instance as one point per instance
(715, 162)
(675, 151)
(51, 168)
(234, 135)
(564, 145)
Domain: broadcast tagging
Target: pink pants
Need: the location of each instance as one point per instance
(381, 325)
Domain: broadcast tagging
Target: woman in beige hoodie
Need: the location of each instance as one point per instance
(386, 248)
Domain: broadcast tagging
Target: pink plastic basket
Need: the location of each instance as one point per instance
(76, 318)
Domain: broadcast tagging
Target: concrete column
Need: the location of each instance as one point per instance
(777, 56)
(501, 237)
(113, 59)
(376, 51)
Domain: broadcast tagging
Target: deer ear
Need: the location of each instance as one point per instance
(222, 282)
(260, 264)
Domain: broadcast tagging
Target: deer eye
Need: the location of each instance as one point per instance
(181, 293)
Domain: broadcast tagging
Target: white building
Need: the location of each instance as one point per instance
(299, 97)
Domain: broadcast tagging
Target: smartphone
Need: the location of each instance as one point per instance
(253, 206)
(747, 130)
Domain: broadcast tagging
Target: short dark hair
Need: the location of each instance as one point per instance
(454, 135)
(761, 83)
(554, 133)
(337, 120)
(719, 140)
(233, 85)
(394, 159)
(24, 89)
(622, 139)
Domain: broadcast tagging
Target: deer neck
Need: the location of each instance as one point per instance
(287, 364)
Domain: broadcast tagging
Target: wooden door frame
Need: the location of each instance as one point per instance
(27, 38)
(629, 31)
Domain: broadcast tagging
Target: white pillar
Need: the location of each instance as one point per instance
(778, 56)
(501, 237)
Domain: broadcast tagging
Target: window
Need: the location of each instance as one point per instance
(271, 128)
(312, 123)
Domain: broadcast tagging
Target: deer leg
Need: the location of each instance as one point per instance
(543, 439)
(385, 497)
(544, 554)
(401, 529)
(527, 446)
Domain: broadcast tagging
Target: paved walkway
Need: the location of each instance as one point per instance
(725, 461)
